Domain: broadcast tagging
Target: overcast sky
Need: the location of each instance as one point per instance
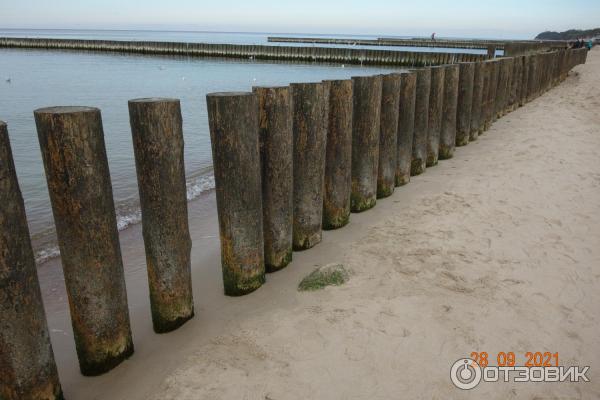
(463, 18)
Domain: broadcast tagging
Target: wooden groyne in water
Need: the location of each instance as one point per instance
(336, 131)
(444, 43)
(246, 51)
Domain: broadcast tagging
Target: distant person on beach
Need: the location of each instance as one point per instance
(589, 44)
(433, 36)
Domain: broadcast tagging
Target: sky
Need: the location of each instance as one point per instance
(460, 18)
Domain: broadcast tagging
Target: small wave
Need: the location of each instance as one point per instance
(128, 213)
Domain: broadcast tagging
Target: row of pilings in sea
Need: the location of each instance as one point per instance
(288, 162)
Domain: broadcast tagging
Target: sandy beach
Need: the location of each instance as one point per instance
(495, 250)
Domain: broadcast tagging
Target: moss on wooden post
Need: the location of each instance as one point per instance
(465, 103)
(74, 155)
(276, 151)
(234, 131)
(27, 367)
(156, 128)
(406, 127)
(310, 119)
(365, 141)
(388, 138)
(419, 149)
(450, 103)
(434, 124)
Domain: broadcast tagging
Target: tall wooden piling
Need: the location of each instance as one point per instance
(450, 103)
(494, 77)
(388, 138)
(465, 103)
(365, 141)
(419, 151)
(485, 93)
(477, 100)
(234, 131)
(276, 152)
(338, 159)
(156, 128)
(524, 80)
(406, 126)
(434, 123)
(491, 51)
(74, 155)
(27, 367)
(310, 120)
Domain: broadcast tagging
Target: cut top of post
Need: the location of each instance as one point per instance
(62, 110)
(229, 94)
(154, 100)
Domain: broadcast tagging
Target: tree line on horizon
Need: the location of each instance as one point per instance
(571, 34)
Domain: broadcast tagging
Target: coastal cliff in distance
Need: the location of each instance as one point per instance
(571, 34)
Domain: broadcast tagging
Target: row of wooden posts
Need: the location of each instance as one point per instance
(246, 51)
(288, 162)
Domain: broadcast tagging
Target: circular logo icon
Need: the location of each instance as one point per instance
(465, 374)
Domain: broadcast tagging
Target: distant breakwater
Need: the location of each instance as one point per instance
(244, 51)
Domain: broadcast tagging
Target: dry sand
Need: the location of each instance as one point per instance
(495, 250)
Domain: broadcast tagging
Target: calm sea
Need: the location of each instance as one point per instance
(30, 79)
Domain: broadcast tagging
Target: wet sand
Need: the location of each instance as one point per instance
(494, 250)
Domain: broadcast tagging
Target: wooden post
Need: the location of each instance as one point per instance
(233, 122)
(419, 151)
(74, 155)
(277, 159)
(450, 102)
(388, 138)
(495, 75)
(524, 81)
(310, 120)
(406, 126)
(465, 103)
(156, 128)
(485, 94)
(338, 160)
(476, 104)
(434, 124)
(27, 367)
(365, 141)
(491, 51)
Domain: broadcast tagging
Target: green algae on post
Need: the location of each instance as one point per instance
(156, 128)
(74, 156)
(234, 129)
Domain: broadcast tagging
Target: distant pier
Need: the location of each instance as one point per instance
(245, 51)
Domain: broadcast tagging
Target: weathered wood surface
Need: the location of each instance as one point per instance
(434, 124)
(477, 101)
(277, 159)
(406, 127)
(465, 103)
(74, 155)
(338, 160)
(310, 116)
(234, 131)
(388, 137)
(450, 103)
(365, 141)
(419, 149)
(156, 128)
(27, 367)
